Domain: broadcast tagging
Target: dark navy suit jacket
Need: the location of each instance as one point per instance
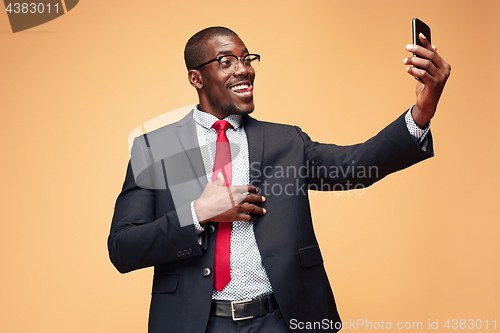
(149, 229)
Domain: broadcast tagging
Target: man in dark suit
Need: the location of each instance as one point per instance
(176, 201)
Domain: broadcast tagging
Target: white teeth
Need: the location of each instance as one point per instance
(239, 87)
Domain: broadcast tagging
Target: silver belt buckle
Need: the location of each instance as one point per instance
(233, 310)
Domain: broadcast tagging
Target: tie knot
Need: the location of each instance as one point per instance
(221, 125)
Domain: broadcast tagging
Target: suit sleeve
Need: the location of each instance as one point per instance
(143, 235)
(333, 167)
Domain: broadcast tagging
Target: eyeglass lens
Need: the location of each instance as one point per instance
(229, 64)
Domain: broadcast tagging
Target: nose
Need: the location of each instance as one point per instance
(241, 69)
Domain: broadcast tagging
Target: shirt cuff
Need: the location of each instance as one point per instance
(419, 135)
(197, 226)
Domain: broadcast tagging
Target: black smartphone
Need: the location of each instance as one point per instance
(420, 27)
(417, 28)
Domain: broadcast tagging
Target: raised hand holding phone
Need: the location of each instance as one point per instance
(432, 72)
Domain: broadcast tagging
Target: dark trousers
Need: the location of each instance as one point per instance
(270, 323)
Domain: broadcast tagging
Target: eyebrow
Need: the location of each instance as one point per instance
(245, 50)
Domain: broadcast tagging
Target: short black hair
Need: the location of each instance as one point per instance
(195, 52)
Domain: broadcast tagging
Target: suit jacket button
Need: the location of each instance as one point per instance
(189, 251)
(179, 253)
(206, 271)
(211, 229)
(184, 252)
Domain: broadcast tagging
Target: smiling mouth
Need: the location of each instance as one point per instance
(242, 89)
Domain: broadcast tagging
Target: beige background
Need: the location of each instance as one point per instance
(422, 244)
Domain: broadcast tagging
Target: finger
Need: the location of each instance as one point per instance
(422, 64)
(239, 192)
(435, 48)
(252, 189)
(253, 209)
(250, 198)
(244, 217)
(243, 189)
(432, 63)
(256, 199)
(220, 179)
(424, 53)
(424, 41)
(420, 51)
(419, 74)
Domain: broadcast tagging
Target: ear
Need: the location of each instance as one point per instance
(195, 79)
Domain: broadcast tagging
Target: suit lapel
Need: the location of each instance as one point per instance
(255, 136)
(188, 140)
(183, 166)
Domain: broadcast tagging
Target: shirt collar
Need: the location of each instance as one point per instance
(207, 120)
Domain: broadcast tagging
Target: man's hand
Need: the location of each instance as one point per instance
(227, 204)
(433, 71)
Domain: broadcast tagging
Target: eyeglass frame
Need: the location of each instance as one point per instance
(218, 58)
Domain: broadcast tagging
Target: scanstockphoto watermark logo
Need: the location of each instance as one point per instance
(25, 15)
(297, 180)
(365, 324)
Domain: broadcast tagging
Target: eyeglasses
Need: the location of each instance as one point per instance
(229, 63)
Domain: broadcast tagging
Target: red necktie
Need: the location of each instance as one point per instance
(222, 163)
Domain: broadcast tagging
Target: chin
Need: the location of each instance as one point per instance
(248, 110)
(233, 109)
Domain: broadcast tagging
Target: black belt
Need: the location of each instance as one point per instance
(239, 310)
